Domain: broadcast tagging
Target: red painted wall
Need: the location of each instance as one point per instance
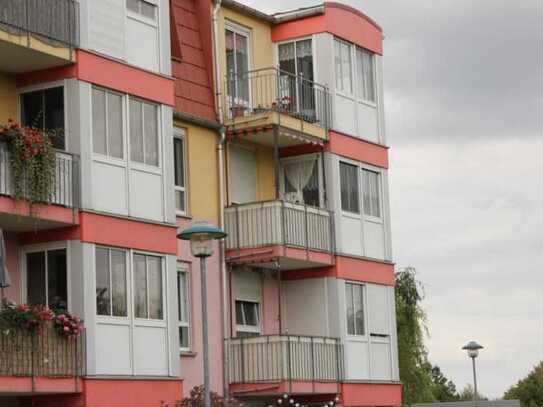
(371, 394)
(341, 20)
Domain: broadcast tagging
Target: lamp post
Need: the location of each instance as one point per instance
(472, 349)
(201, 236)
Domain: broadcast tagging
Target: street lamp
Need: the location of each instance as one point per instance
(472, 349)
(201, 236)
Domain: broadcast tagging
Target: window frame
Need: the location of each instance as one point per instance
(356, 165)
(127, 280)
(238, 29)
(181, 134)
(142, 164)
(124, 129)
(347, 93)
(147, 319)
(362, 98)
(320, 175)
(183, 268)
(140, 17)
(42, 87)
(63, 245)
(251, 329)
(364, 311)
(379, 173)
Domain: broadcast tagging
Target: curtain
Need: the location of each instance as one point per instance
(299, 176)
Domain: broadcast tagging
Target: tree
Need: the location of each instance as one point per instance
(422, 382)
(528, 390)
(467, 394)
(412, 354)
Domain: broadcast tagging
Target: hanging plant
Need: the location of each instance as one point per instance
(32, 162)
(68, 325)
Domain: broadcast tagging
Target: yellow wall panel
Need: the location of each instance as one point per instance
(8, 98)
(265, 173)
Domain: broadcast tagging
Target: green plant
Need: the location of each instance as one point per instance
(196, 399)
(32, 162)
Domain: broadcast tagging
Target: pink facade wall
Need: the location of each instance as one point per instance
(191, 366)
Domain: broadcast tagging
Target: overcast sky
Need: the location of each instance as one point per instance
(464, 109)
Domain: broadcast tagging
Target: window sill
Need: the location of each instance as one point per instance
(188, 353)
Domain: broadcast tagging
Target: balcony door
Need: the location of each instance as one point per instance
(296, 79)
(237, 67)
(46, 278)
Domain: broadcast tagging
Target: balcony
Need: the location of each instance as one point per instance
(279, 234)
(18, 216)
(260, 100)
(285, 363)
(32, 363)
(37, 34)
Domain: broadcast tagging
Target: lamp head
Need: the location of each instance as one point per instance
(201, 236)
(472, 348)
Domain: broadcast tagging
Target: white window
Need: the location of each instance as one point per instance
(180, 182)
(354, 306)
(237, 64)
(371, 193)
(343, 66)
(365, 73)
(184, 307)
(111, 293)
(142, 8)
(107, 123)
(46, 278)
(349, 187)
(143, 132)
(247, 318)
(148, 297)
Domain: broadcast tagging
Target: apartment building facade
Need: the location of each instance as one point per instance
(173, 111)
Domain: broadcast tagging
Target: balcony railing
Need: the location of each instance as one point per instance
(53, 21)
(25, 353)
(66, 191)
(269, 223)
(271, 89)
(286, 358)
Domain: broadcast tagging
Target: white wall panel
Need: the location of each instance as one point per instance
(106, 26)
(344, 115)
(113, 349)
(351, 235)
(357, 360)
(109, 188)
(380, 361)
(142, 44)
(146, 199)
(306, 306)
(379, 309)
(150, 351)
(368, 122)
(374, 240)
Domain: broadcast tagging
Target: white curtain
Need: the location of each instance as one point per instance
(298, 174)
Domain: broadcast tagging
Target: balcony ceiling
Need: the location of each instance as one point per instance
(17, 59)
(19, 223)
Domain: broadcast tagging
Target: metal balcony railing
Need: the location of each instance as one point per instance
(271, 89)
(66, 191)
(26, 353)
(52, 21)
(286, 358)
(279, 222)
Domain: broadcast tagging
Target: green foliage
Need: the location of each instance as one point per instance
(32, 162)
(422, 382)
(467, 394)
(196, 399)
(528, 390)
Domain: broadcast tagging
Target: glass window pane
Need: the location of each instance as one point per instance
(358, 309)
(250, 309)
(57, 280)
(180, 201)
(369, 79)
(136, 131)
(349, 187)
(99, 121)
(371, 193)
(346, 69)
(179, 164)
(140, 286)
(184, 337)
(287, 60)
(148, 10)
(242, 66)
(133, 5)
(154, 269)
(240, 320)
(118, 281)
(35, 278)
(349, 308)
(115, 125)
(103, 301)
(230, 62)
(32, 113)
(182, 291)
(360, 89)
(54, 115)
(151, 134)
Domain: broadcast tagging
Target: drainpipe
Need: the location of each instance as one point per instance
(222, 195)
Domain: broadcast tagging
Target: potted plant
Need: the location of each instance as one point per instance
(238, 110)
